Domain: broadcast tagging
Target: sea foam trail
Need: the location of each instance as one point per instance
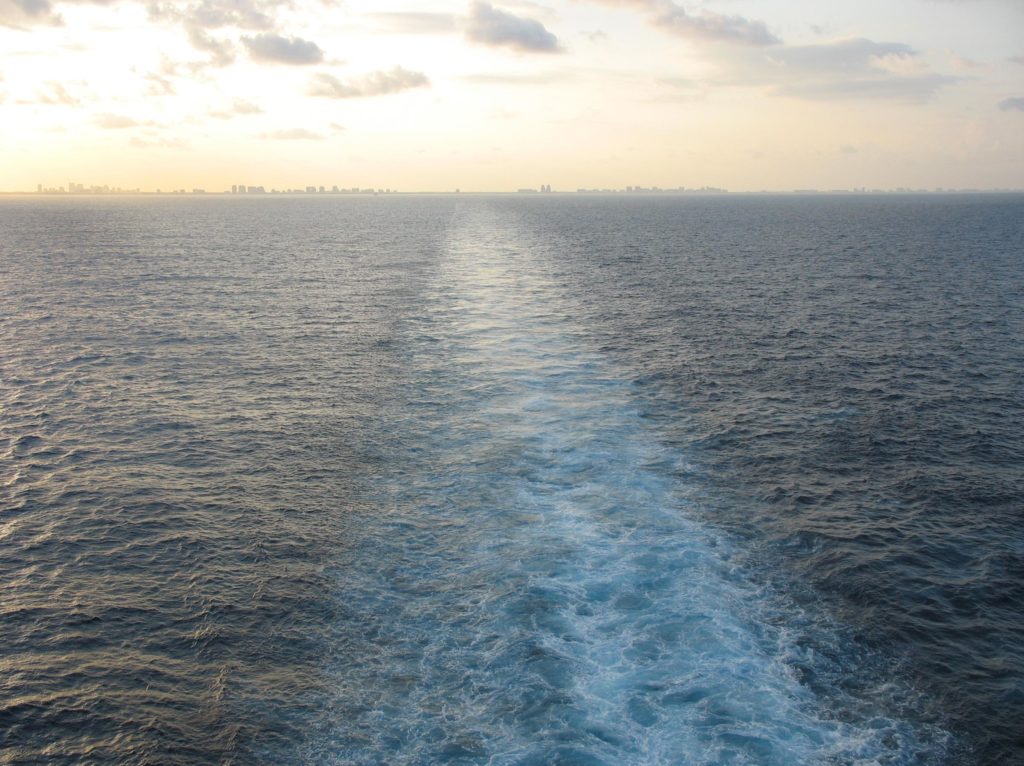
(538, 593)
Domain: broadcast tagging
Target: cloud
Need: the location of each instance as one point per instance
(415, 23)
(241, 106)
(159, 85)
(255, 15)
(198, 19)
(963, 63)
(488, 25)
(294, 134)
(276, 49)
(222, 52)
(715, 27)
(238, 107)
(1015, 104)
(151, 143)
(920, 88)
(33, 7)
(856, 55)
(373, 84)
(851, 69)
(516, 79)
(704, 25)
(21, 13)
(115, 121)
(55, 94)
(1017, 59)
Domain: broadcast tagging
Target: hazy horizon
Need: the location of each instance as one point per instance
(479, 96)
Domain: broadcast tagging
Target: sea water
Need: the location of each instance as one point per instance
(503, 480)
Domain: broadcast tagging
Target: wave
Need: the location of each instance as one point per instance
(539, 590)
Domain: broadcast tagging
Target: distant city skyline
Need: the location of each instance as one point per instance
(77, 189)
(485, 96)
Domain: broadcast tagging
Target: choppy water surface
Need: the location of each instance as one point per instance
(512, 481)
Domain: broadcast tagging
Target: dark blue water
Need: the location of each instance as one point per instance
(512, 481)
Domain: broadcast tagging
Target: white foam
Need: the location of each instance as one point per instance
(542, 592)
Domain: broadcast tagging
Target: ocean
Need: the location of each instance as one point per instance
(557, 479)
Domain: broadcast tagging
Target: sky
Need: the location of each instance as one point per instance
(493, 96)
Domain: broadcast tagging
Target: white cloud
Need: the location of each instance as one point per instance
(854, 69)
(702, 25)
(55, 94)
(238, 107)
(293, 134)
(115, 121)
(275, 49)
(373, 84)
(415, 23)
(920, 88)
(717, 27)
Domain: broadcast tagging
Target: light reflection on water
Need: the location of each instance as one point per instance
(420, 480)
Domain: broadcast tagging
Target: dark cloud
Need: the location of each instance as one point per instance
(490, 26)
(1015, 104)
(276, 49)
(416, 23)
(373, 84)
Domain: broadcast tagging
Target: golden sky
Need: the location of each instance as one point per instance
(434, 95)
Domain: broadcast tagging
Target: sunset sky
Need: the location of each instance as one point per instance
(434, 95)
